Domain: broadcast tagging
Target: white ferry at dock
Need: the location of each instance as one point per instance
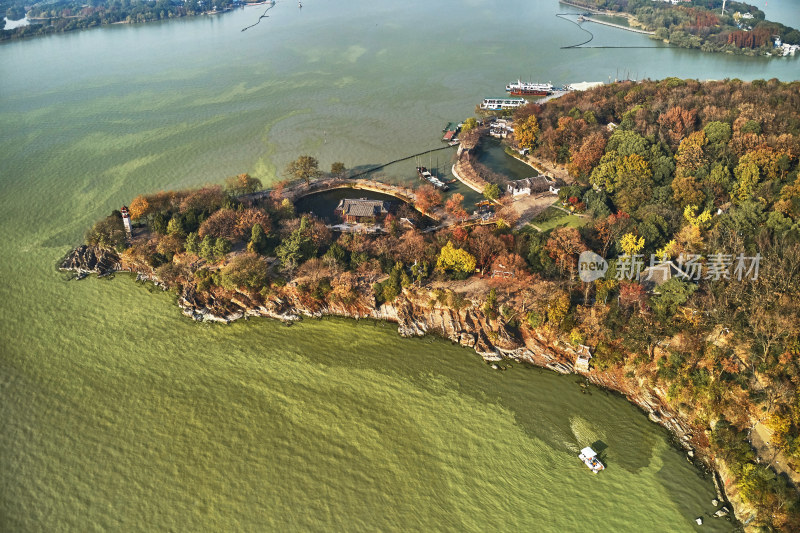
(521, 88)
(589, 457)
(500, 104)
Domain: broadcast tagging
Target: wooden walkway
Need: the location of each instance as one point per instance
(618, 26)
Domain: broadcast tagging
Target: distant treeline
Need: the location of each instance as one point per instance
(61, 16)
(701, 24)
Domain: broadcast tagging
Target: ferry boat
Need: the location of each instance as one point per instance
(499, 104)
(521, 88)
(424, 174)
(589, 457)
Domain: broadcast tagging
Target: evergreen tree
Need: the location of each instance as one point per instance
(258, 240)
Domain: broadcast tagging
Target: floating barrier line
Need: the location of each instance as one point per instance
(379, 167)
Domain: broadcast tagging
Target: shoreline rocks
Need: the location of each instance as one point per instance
(90, 259)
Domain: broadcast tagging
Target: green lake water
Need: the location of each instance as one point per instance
(119, 414)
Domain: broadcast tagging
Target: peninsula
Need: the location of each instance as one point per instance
(711, 26)
(678, 288)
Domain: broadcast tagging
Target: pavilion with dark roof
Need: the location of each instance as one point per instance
(361, 210)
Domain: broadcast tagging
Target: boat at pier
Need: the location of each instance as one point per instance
(589, 457)
(424, 174)
(499, 104)
(450, 132)
(521, 88)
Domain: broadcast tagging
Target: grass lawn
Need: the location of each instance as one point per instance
(552, 218)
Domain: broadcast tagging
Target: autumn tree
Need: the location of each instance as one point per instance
(630, 244)
(610, 229)
(687, 190)
(587, 156)
(242, 184)
(304, 168)
(527, 132)
(485, 246)
(139, 207)
(206, 199)
(629, 178)
(456, 260)
(676, 123)
(412, 247)
(454, 206)
(337, 169)
(564, 245)
(427, 197)
(247, 218)
(169, 245)
(632, 294)
(690, 156)
(223, 223)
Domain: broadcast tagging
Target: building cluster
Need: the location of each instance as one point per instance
(535, 185)
(501, 128)
(673, 2)
(784, 48)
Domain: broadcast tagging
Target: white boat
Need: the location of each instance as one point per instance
(589, 457)
(498, 104)
(425, 174)
(521, 88)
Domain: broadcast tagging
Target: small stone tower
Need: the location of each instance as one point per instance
(126, 220)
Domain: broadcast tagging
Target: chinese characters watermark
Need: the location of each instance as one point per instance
(688, 267)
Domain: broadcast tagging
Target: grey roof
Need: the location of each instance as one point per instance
(536, 183)
(653, 277)
(362, 207)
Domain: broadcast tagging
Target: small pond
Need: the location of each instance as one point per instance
(491, 153)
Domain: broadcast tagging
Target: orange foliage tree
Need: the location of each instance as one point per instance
(585, 158)
(428, 198)
(454, 206)
(139, 207)
(223, 223)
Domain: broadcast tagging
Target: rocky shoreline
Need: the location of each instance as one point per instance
(468, 327)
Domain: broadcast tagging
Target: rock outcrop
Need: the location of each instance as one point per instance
(91, 259)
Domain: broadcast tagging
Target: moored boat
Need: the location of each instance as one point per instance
(424, 174)
(450, 131)
(499, 104)
(521, 88)
(589, 457)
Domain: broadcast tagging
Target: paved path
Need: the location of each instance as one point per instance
(618, 26)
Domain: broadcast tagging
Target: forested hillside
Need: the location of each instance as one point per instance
(701, 24)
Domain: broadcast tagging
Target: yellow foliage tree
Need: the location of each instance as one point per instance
(690, 156)
(631, 244)
(558, 309)
(139, 207)
(527, 132)
(451, 258)
(701, 221)
(669, 251)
